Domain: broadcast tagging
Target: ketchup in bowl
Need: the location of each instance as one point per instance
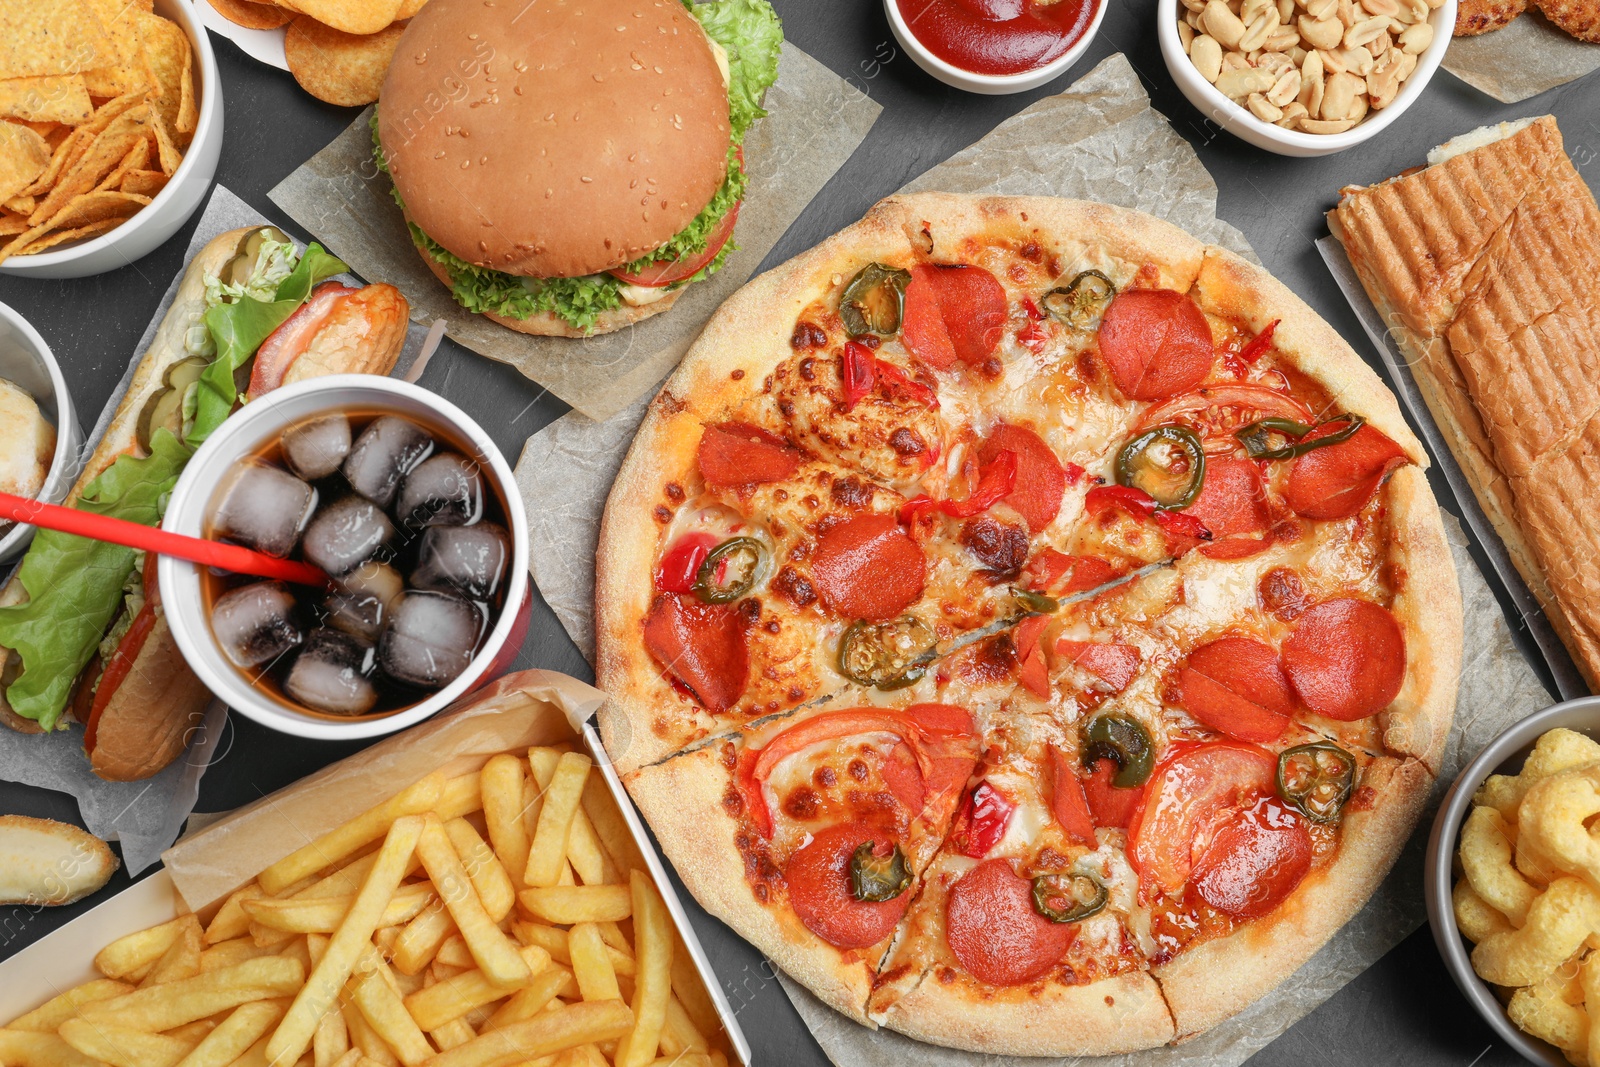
(998, 37)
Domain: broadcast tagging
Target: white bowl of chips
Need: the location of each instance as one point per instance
(1527, 787)
(120, 147)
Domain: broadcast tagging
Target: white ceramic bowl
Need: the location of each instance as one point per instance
(1237, 120)
(990, 84)
(177, 201)
(26, 362)
(251, 429)
(1504, 755)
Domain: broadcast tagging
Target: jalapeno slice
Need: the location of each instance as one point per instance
(1068, 897)
(1317, 778)
(886, 655)
(1080, 301)
(730, 570)
(1123, 741)
(874, 300)
(1036, 603)
(1261, 438)
(875, 878)
(1168, 462)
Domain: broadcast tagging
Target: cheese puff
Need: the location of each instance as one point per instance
(1486, 862)
(1557, 923)
(1475, 918)
(1540, 1010)
(1553, 817)
(1555, 751)
(1538, 868)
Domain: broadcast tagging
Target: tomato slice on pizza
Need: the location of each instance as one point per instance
(1016, 614)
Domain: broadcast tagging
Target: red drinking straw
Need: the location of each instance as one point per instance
(234, 558)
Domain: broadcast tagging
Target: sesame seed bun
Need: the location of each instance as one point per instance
(557, 138)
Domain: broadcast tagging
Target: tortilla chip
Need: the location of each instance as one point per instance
(188, 108)
(20, 205)
(94, 229)
(11, 223)
(144, 182)
(24, 155)
(98, 159)
(53, 98)
(50, 37)
(360, 17)
(253, 16)
(408, 8)
(165, 144)
(340, 68)
(136, 158)
(111, 109)
(125, 70)
(166, 51)
(93, 207)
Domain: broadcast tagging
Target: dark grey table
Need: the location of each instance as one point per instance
(1404, 1009)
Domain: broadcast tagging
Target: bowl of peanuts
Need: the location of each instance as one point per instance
(1512, 883)
(1303, 77)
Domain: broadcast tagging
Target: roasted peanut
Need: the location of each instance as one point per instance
(1207, 56)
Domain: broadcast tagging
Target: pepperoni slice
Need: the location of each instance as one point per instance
(818, 877)
(868, 568)
(1040, 481)
(1050, 571)
(1032, 670)
(1067, 801)
(1156, 342)
(995, 932)
(736, 453)
(1346, 658)
(1337, 481)
(953, 312)
(903, 777)
(1110, 806)
(1225, 711)
(1187, 790)
(1115, 665)
(702, 645)
(1255, 860)
(1237, 687)
(1233, 506)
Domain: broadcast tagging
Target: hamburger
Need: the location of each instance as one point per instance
(569, 167)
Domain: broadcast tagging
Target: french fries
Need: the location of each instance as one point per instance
(408, 937)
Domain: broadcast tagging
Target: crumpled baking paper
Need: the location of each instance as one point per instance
(1521, 60)
(1100, 139)
(145, 816)
(815, 121)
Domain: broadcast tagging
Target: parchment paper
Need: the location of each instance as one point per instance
(1521, 60)
(815, 122)
(1098, 140)
(1101, 139)
(528, 708)
(144, 816)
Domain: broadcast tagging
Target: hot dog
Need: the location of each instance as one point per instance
(82, 630)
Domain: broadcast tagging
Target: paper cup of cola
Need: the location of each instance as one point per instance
(406, 503)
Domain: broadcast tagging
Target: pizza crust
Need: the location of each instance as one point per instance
(1208, 983)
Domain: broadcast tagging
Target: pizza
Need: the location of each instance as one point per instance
(1030, 627)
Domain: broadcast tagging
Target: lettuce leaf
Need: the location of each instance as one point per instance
(750, 33)
(75, 584)
(240, 327)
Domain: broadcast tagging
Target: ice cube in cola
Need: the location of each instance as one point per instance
(430, 639)
(359, 603)
(256, 623)
(470, 560)
(387, 450)
(345, 534)
(444, 490)
(333, 674)
(317, 448)
(264, 508)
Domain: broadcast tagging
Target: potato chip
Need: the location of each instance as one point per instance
(12, 223)
(253, 16)
(50, 37)
(350, 16)
(19, 205)
(104, 153)
(144, 182)
(340, 68)
(54, 98)
(126, 70)
(135, 159)
(408, 8)
(24, 155)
